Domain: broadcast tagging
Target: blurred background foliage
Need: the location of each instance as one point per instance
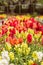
(40, 1)
(6, 2)
(16, 6)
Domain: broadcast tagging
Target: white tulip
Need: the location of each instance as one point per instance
(11, 64)
(5, 62)
(40, 56)
(5, 55)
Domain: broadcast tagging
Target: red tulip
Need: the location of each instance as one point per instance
(29, 38)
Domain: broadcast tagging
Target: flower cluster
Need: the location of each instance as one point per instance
(21, 41)
(22, 54)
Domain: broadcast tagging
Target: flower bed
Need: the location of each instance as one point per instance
(21, 41)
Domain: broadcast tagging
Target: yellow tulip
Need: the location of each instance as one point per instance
(34, 55)
(8, 46)
(11, 55)
(42, 63)
(30, 62)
